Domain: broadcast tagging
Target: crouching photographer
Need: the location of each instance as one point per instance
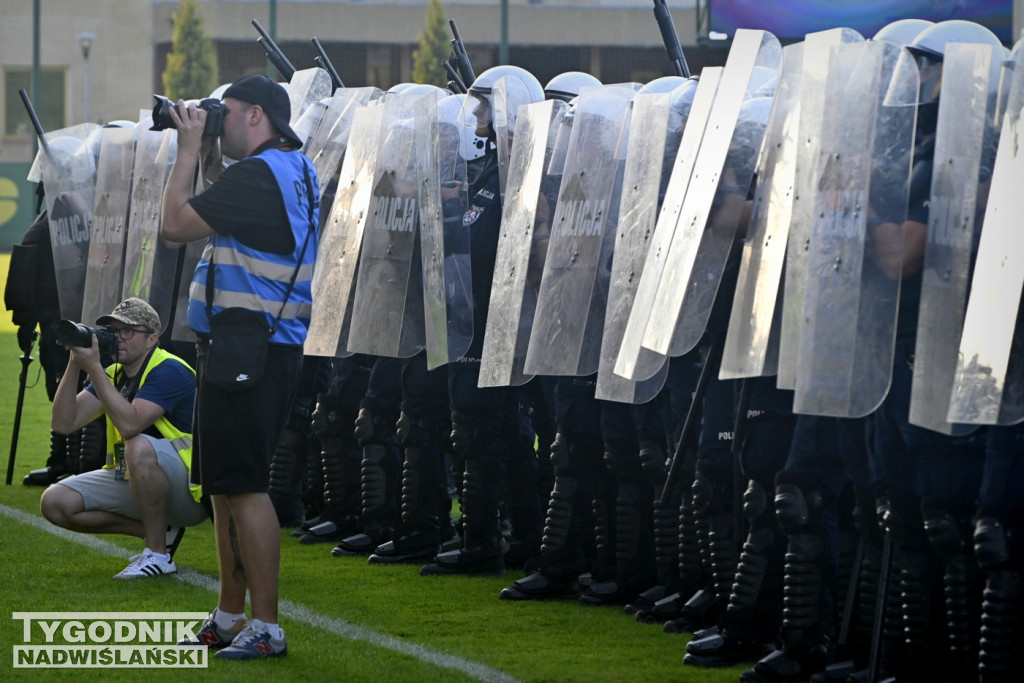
(147, 395)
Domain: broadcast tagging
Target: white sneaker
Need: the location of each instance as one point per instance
(146, 564)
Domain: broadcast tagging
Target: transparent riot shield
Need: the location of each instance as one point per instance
(189, 256)
(306, 87)
(751, 342)
(569, 319)
(387, 314)
(109, 222)
(444, 238)
(334, 279)
(655, 130)
(508, 94)
(966, 131)
(988, 386)
(633, 361)
(522, 244)
(850, 305)
(817, 48)
(327, 144)
(714, 204)
(150, 261)
(68, 169)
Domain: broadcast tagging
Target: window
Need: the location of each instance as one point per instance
(50, 105)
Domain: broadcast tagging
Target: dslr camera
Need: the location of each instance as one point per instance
(70, 334)
(214, 118)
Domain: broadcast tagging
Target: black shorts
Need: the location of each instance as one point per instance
(235, 432)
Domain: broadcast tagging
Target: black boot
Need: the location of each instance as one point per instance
(379, 476)
(424, 494)
(718, 555)
(337, 470)
(482, 550)
(56, 463)
(554, 573)
(751, 622)
(806, 614)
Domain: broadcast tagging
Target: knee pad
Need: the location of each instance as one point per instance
(944, 534)
(796, 504)
(755, 501)
(997, 545)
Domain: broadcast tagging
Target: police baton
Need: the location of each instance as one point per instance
(670, 38)
(711, 352)
(40, 133)
(461, 56)
(274, 54)
(324, 63)
(26, 342)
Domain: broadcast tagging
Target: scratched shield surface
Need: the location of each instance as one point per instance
(569, 319)
(109, 222)
(387, 312)
(68, 169)
(851, 301)
(988, 385)
(522, 243)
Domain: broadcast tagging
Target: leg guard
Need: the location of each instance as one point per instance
(1001, 624)
(963, 582)
(378, 479)
(756, 597)
(808, 572)
(93, 449)
(561, 557)
(286, 477)
(1000, 553)
(418, 535)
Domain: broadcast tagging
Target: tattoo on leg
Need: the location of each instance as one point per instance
(239, 570)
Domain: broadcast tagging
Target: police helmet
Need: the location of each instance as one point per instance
(73, 158)
(566, 86)
(760, 77)
(663, 84)
(218, 92)
(423, 89)
(903, 31)
(450, 113)
(932, 41)
(929, 49)
(521, 85)
(749, 131)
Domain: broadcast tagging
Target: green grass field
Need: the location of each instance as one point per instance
(345, 619)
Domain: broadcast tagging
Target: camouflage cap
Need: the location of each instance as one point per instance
(133, 312)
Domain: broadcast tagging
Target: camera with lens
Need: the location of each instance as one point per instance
(214, 118)
(70, 334)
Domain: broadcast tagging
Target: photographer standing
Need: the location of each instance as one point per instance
(253, 285)
(147, 397)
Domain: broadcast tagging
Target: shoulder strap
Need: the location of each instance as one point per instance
(295, 273)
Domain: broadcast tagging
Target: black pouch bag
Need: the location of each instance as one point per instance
(237, 353)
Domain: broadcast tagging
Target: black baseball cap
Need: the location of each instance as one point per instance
(272, 98)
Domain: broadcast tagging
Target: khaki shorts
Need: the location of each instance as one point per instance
(101, 491)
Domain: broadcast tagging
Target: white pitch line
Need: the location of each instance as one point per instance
(289, 609)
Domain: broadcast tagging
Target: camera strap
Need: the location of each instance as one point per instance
(295, 273)
(129, 386)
